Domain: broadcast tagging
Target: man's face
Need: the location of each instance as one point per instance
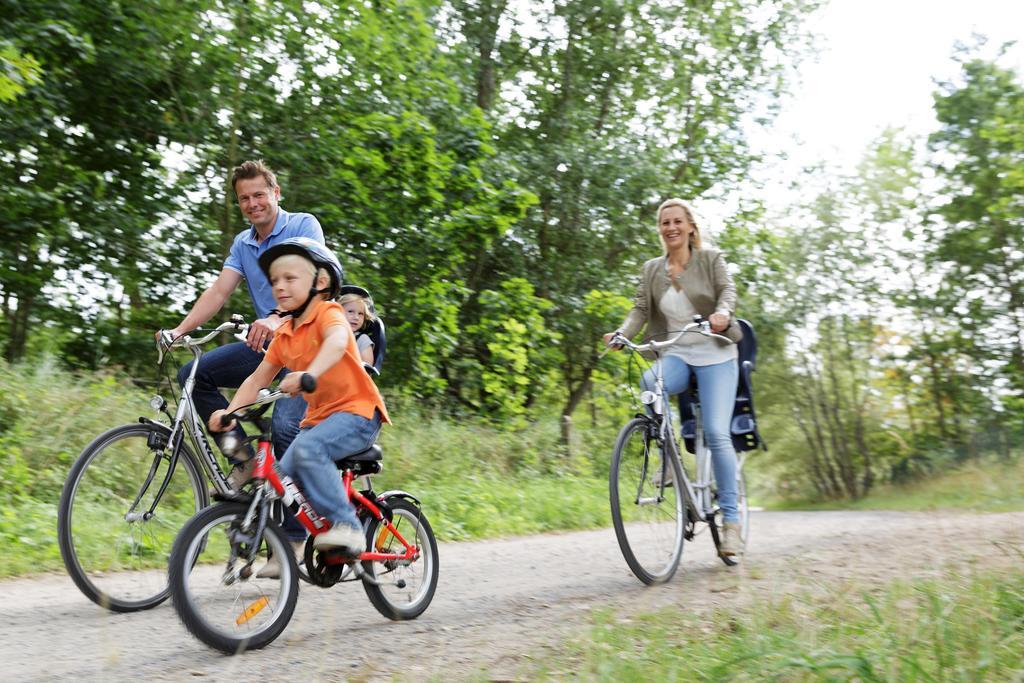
(258, 201)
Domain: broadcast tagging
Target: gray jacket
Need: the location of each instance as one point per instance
(705, 281)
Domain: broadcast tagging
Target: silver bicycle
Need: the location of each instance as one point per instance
(133, 488)
(655, 505)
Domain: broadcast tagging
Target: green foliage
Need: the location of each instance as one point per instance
(18, 71)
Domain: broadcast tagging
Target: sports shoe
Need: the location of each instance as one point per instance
(656, 477)
(272, 569)
(241, 473)
(731, 541)
(350, 538)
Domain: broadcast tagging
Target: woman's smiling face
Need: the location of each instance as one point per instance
(675, 227)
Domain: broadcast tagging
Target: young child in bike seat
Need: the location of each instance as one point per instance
(345, 411)
(359, 317)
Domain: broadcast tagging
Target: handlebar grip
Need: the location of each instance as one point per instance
(307, 383)
(226, 419)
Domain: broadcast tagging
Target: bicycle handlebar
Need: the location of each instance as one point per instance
(253, 410)
(165, 342)
(698, 326)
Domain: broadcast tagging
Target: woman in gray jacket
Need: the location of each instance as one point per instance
(689, 280)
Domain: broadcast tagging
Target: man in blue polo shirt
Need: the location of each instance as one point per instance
(227, 366)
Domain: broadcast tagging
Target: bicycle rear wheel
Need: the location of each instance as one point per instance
(216, 592)
(649, 518)
(401, 589)
(114, 551)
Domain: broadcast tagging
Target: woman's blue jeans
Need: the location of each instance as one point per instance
(311, 457)
(717, 396)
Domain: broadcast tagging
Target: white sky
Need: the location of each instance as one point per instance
(877, 67)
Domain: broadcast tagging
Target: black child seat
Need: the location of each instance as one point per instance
(375, 329)
(745, 436)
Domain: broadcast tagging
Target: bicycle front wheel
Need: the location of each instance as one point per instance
(114, 549)
(401, 589)
(216, 591)
(648, 508)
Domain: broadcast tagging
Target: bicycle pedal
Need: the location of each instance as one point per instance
(231, 497)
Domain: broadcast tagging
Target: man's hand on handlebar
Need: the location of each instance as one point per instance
(261, 332)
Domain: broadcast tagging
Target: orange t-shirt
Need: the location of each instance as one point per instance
(345, 386)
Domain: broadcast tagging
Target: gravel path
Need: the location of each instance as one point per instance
(499, 604)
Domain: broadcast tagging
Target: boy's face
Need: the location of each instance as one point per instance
(354, 313)
(291, 280)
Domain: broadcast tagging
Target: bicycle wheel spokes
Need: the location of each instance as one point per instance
(114, 550)
(648, 517)
(402, 589)
(216, 591)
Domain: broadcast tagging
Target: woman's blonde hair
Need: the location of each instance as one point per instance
(694, 236)
(349, 298)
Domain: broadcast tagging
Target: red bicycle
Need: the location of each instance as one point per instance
(214, 563)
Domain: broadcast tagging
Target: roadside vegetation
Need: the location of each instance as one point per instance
(959, 627)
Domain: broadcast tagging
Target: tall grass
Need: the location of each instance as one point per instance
(954, 628)
(473, 479)
(990, 484)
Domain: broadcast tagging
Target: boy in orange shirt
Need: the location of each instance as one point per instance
(345, 411)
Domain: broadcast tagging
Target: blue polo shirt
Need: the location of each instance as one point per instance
(245, 253)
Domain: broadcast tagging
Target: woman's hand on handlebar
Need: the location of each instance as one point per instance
(608, 338)
(718, 321)
(215, 424)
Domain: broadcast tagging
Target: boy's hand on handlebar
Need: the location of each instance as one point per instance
(719, 321)
(291, 384)
(215, 422)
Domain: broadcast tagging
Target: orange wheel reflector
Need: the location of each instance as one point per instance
(252, 610)
(383, 539)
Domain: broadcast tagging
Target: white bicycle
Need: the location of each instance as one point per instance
(655, 505)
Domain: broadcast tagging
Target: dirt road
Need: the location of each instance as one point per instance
(498, 604)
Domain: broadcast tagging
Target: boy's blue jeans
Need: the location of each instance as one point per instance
(311, 457)
(228, 366)
(717, 397)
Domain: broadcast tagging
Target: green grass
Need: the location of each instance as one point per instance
(954, 628)
(988, 485)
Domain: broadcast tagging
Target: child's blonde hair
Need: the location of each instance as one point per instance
(349, 298)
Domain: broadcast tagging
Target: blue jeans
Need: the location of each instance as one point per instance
(228, 366)
(311, 457)
(717, 396)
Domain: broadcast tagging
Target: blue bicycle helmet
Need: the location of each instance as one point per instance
(321, 256)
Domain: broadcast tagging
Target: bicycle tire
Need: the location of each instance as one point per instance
(230, 616)
(402, 590)
(121, 564)
(649, 520)
(744, 510)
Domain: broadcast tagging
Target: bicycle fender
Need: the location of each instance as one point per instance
(398, 493)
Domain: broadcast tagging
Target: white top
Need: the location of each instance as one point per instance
(695, 349)
(363, 341)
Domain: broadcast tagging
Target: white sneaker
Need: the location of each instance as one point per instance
(272, 569)
(342, 536)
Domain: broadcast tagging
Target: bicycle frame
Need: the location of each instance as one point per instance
(279, 486)
(186, 421)
(697, 494)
